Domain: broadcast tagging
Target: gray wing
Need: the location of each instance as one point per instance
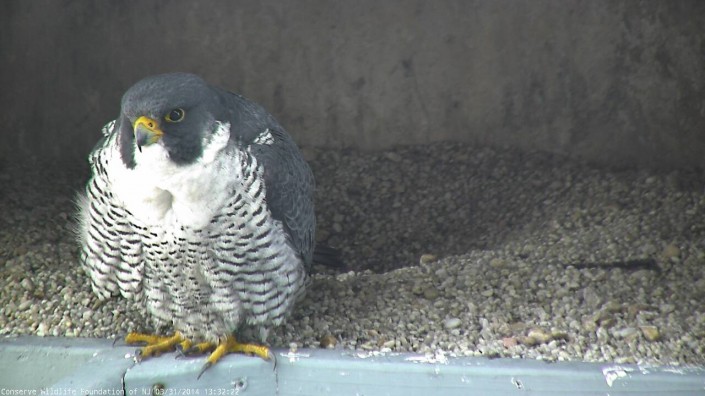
(111, 247)
(289, 187)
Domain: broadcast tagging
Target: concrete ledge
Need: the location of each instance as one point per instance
(57, 366)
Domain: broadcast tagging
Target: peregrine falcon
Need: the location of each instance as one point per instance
(199, 207)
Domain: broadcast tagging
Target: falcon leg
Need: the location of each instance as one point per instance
(155, 344)
(231, 345)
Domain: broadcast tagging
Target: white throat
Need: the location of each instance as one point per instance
(159, 192)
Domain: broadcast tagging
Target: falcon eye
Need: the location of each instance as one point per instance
(175, 115)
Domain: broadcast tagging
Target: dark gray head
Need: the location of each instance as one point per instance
(175, 109)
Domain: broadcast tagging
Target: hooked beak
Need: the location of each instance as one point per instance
(146, 132)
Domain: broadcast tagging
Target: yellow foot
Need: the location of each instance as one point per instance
(230, 345)
(156, 345)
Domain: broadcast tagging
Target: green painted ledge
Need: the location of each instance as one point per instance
(64, 366)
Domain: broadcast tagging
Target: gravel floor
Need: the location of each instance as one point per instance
(447, 249)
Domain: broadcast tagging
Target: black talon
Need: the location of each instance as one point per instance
(138, 355)
(192, 351)
(180, 352)
(274, 358)
(203, 370)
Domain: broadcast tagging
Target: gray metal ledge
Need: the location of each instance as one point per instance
(61, 366)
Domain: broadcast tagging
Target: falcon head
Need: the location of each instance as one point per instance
(176, 111)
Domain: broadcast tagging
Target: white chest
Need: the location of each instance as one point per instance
(160, 193)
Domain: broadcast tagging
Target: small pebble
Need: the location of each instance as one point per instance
(452, 323)
(42, 329)
(427, 258)
(27, 284)
(625, 332)
(328, 341)
(671, 252)
(538, 336)
(24, 305)
(667, 308)
(487, 293)
(651, 333)
(497, 263)
(430, 293)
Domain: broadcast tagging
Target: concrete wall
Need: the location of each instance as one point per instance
(614, 81)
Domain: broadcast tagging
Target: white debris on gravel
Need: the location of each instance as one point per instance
(449, 250)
